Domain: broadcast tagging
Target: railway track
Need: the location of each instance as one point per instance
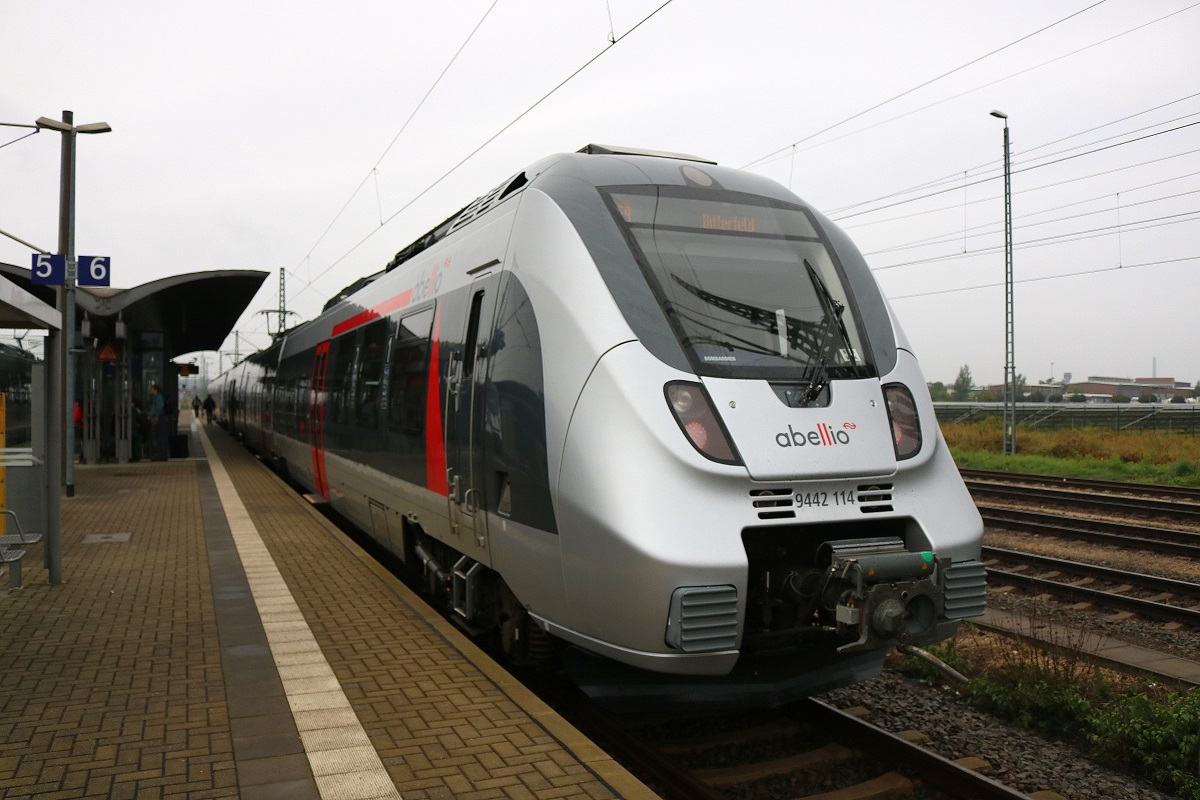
(1183, 494)
(1169, 541)
(1116, 598)
(1184, 511)
(1139, 529)
(807, 749)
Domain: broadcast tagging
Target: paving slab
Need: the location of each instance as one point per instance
(216, 637)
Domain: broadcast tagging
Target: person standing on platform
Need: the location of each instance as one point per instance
(210, 406)
(196, 407)
(158, 420)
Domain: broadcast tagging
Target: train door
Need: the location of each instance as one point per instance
(316, 419)
(465, 407)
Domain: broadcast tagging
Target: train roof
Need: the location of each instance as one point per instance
(599, 164)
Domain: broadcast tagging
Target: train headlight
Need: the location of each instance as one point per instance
(693, 411)
(681, 398)
(906, 426)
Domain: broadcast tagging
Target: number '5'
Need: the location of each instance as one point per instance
(44, 267)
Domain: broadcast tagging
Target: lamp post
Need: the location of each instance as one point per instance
(66, 246)
(1010, 372)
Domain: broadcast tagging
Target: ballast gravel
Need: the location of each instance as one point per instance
(1017, 757)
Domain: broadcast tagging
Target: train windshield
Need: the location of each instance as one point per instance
(748, 283)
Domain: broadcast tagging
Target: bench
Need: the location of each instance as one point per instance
(16, 457)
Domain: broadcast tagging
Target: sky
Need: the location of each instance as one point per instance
(320, 138)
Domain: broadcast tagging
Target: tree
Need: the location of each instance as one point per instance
(1196, 391)
(1078, 398)
(938, 392)
(962, 385)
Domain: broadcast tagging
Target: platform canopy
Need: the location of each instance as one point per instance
(196, 311)
(20, 309)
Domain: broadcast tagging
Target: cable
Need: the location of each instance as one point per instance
(923, 85)
(488, 141)
(403, 127)
(1062, 238)
(1023, 192)
(311, 281)
(778, 154)
(1016, 172)
(20, 138)
(1046, 277)
(954, 180)
(991, 228)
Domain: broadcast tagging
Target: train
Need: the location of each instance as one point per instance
(16, 381)
(640, 413)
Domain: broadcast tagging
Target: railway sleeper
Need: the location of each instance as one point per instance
(818, 759)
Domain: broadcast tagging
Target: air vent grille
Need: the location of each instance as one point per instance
(773, 503)
(874, 498)
(703, 619)
(965, 588)
(484, 204)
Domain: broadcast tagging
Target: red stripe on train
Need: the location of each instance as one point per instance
(374, 313)
(435, 439)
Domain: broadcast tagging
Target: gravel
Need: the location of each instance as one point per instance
(955, 730)
(1183, 643)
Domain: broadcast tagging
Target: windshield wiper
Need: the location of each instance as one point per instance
(832, 314)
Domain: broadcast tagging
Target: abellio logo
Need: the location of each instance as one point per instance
(823, 436)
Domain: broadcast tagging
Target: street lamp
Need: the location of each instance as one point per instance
(1010, 372)
(66, 246)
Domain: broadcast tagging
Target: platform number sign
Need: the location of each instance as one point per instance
(49, 270)
(94, 270)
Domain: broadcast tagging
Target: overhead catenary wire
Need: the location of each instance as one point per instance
(1062, 238)
(922, 85)
(375, 168)
(954, 180)
(485, 143)
(778, 155)
(311, 280)
(993, 198)
(992, 228)
(1014, 172)
(1039, 278)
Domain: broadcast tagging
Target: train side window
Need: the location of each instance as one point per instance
(408, 379)
(340, 378)
(370, 373)
(472, 335)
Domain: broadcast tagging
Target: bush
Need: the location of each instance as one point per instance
(1038, 700)
(1159, 741)
(1181, 469)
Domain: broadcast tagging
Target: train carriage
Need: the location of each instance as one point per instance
(644, 405)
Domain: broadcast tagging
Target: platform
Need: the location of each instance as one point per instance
(216, 637)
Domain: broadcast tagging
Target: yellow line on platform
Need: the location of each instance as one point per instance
(344, 763)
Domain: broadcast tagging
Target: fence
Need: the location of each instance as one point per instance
(1180, 418)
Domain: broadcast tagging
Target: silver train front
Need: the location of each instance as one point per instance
(815, 535)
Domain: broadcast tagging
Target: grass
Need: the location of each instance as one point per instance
(1136, 456)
